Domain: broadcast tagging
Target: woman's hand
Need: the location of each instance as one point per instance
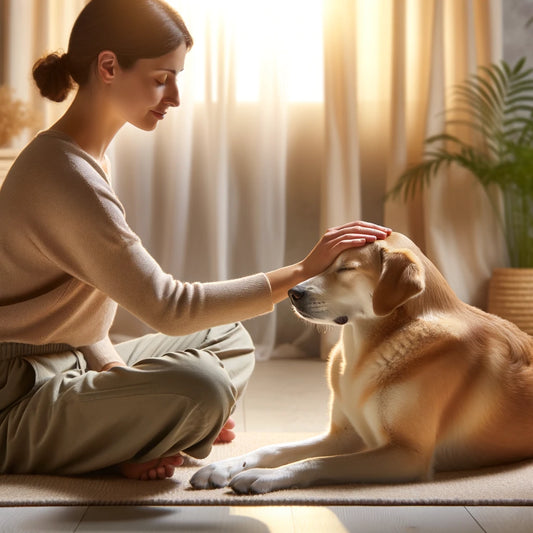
(333, 242)
(338, 239)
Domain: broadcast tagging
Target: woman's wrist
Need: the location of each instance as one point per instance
(283, 279)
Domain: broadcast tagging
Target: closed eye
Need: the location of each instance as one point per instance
(345, 269)
(348, 266)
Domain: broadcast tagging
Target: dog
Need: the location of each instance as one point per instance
(420, 381)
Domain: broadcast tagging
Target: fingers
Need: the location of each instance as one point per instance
(338, 239)
(360, 229)
(364, 224)
(354, 234)
(343, 242)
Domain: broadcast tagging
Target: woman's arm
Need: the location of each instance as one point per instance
(321, 256)
(334, 241)
(101, 355)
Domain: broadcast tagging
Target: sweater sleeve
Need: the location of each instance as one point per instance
(87, 236)
(100, 353)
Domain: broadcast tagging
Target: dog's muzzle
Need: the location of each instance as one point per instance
(296, 294)
(299, 299)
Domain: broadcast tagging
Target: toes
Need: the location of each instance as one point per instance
(160, 472)
(226, 434)
(208, 478)
(178, 460)
(256, 481)
(169, 470)
(156, 469)
(246, 485)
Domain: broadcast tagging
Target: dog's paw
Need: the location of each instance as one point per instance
(261, 481)
(216, 475)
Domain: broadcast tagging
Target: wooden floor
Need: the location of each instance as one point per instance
(282, 396)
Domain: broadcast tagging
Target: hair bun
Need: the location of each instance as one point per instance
(52, 76)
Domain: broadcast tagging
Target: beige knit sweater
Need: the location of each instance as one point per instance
(68, 256)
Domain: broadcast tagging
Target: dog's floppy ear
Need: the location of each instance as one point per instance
(402, 277)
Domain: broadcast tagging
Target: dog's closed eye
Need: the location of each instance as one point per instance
(347, 267)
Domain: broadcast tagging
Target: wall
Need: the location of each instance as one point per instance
(517, 33)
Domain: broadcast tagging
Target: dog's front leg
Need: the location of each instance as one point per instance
(219, 474)
(391, 463)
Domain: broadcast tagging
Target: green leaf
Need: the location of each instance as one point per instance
(495, 105)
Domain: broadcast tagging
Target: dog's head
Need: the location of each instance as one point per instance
(367, 282)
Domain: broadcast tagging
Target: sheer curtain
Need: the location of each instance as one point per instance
(207, 190)
(399, 60)
(440, 44)
(28, 29)
(296, 115)
(390, 65)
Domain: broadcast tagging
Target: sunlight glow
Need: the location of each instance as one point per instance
(373, 46)
(253, 45)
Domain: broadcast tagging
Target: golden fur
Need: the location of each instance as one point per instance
(420, 381)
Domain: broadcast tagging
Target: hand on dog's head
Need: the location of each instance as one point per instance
(373, 280)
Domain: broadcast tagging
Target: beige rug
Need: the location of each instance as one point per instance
(510, 485)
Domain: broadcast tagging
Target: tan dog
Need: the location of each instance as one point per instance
(420, 381)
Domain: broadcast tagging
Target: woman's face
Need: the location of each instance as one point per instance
(143, 93)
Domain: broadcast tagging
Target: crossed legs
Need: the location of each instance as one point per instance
(175, 396)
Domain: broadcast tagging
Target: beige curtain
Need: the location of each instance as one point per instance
(389, 68)
(399, 60)
(248, 172)
(206, 191)
(29, 28)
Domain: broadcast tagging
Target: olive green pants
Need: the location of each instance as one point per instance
(176, 394)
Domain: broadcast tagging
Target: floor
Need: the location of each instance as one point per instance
(271, 406)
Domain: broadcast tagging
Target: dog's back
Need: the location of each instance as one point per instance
(492, 419)
(474, 368)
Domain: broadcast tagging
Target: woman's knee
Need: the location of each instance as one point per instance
(230, 340)
(198, 375)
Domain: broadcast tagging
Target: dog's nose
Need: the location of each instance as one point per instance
(296, 293)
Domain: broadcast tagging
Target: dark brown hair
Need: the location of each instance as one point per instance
(132, 29)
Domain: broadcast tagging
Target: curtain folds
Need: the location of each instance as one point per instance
(389, 72)
(217, 171)
(29, 29)
(245, 176)
(453, 220)
(341, 198)
(389, 68)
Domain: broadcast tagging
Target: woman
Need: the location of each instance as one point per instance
(70, 401)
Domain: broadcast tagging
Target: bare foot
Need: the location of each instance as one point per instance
(155, 469)
(226, 434)
(164, 467)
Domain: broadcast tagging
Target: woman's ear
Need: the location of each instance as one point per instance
(107, 65)
(402, 278)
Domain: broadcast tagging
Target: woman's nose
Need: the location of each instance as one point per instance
(172, 96)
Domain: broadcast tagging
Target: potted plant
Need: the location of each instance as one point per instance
(15, 116)
(495, 109)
